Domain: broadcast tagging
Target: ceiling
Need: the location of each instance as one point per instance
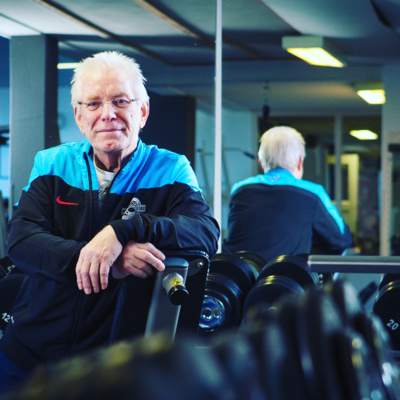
(174, 42)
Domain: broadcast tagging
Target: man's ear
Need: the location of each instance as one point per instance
(261, 165)
(299, 168)
(300, 163)
(145, 111)
(78, 118)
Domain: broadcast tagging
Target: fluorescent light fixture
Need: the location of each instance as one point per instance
(371, 92)
(313, 49)
(364, 134)
(372, 96)
(67, 65)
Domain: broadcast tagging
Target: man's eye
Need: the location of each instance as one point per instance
(94, 104)
(121, 102)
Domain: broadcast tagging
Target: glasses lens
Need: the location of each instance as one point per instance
(120, 103)
(93, 105)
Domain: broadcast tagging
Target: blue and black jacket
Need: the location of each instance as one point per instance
(275, 214)
(153, 198)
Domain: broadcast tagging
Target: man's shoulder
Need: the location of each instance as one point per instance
(65, 148)
(161, 167)
(152, 150)
(62, 160)
(278, 181)
(248, 182)
(157, 158)
(309, 185)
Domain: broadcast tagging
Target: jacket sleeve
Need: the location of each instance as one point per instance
(331, 234)
(187, 223)
(33, 245)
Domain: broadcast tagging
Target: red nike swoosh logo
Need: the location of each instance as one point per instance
(59, 201)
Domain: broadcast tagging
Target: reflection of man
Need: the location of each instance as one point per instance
(278, 213)
(96, 212)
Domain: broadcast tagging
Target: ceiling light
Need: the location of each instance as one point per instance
(372, 92)
(364, 134)
(67, 65)
(313, 49)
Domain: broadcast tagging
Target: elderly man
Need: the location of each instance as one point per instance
(95, 212)
(278, 213)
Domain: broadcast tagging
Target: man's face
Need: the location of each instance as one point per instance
(110, 129)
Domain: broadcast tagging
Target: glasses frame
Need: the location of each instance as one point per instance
(113, 102)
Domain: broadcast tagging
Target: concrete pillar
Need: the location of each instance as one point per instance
(33, 105)
(338, 134)
(390, 135)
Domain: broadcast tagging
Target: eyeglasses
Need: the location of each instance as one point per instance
(117, 103)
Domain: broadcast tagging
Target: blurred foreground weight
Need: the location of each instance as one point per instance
(346, 298)
(229, 281)
(371, 328)
(365, 357)
(148, 368)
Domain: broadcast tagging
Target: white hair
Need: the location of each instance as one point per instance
(281, 147)
(109, 60)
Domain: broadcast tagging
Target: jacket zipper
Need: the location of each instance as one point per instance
(80, 294)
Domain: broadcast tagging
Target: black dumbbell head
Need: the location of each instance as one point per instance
(386, 307)
(293, 267)
(266, 292)
(253, 260)
(234, 268)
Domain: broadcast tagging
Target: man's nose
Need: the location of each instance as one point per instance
(107, 110)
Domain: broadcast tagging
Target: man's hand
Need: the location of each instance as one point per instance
(96, 259)
(138, 259)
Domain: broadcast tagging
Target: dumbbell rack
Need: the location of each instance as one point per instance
(356, 264)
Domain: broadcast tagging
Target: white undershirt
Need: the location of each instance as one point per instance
(104, 178)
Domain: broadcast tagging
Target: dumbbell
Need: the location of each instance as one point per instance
(386, 279)
(9, 288)
(386, 307)
(229, 281)
(281, 275)
(6, 266)
(255, 262)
